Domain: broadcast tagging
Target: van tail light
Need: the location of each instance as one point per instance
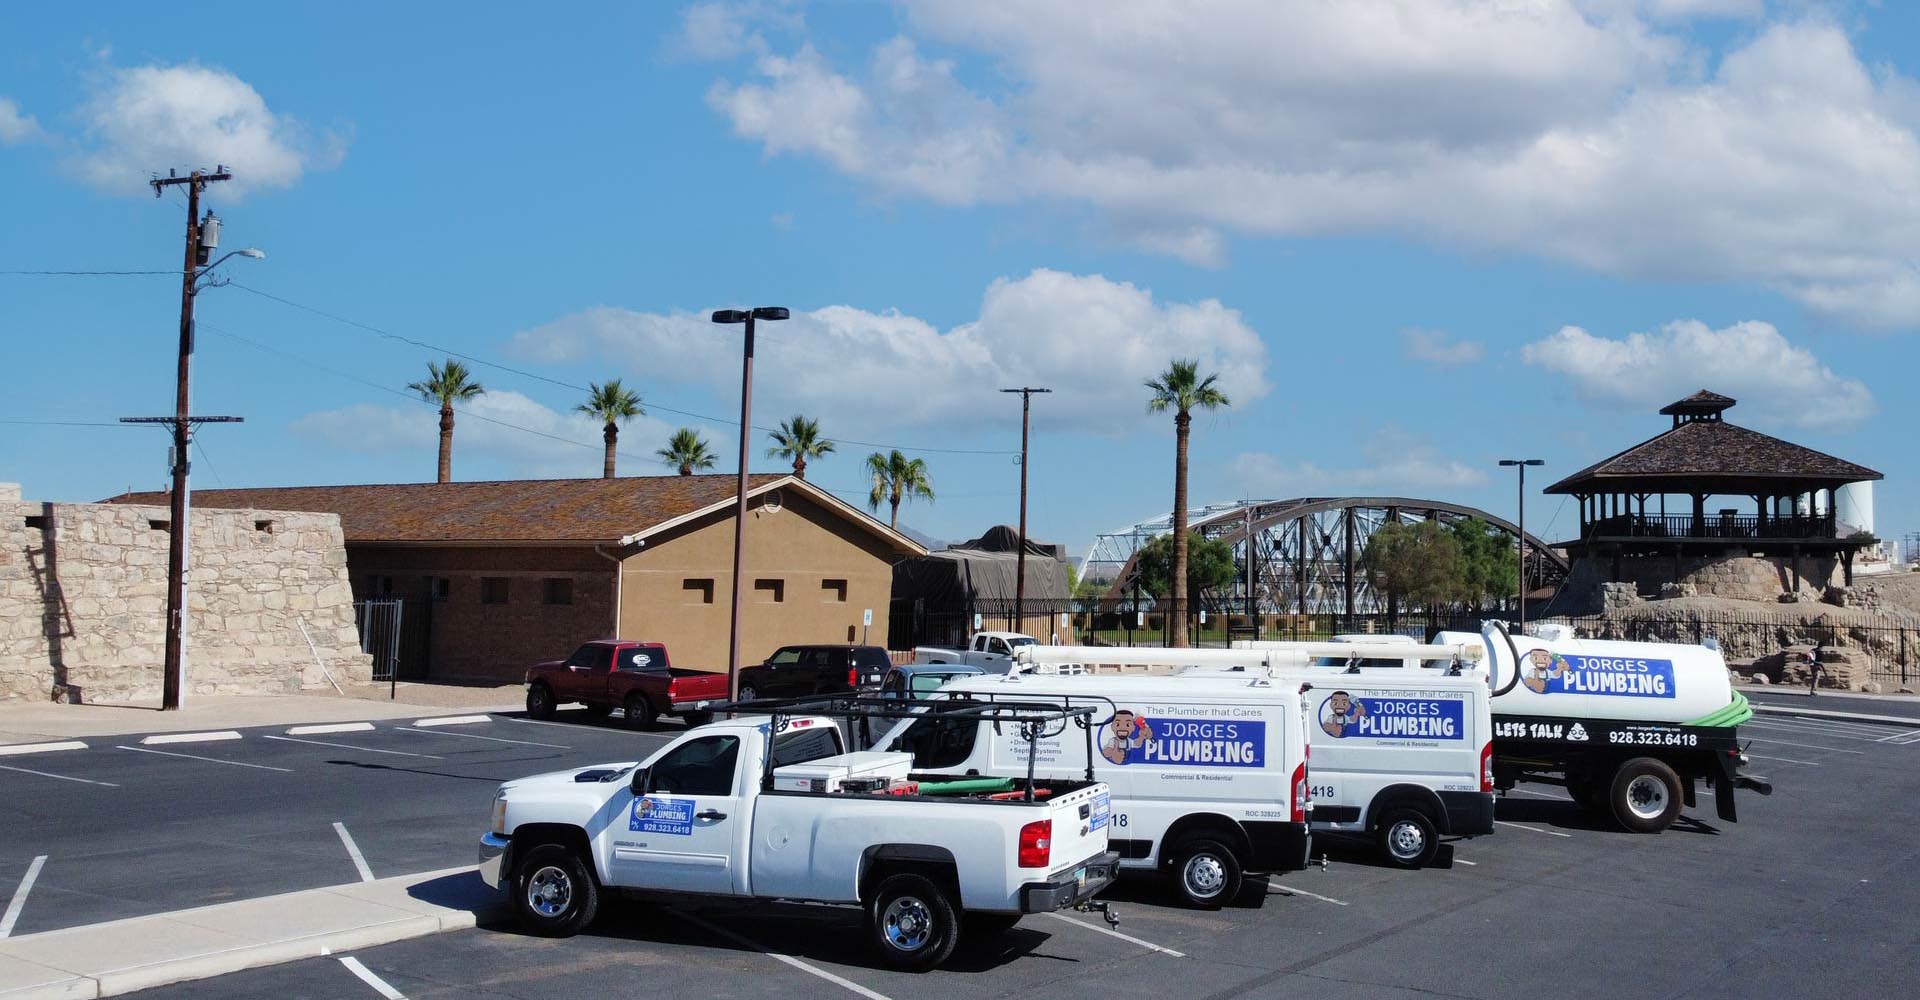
(1302, 795)
(1486, 767)
(853, 677)
(1036, 844)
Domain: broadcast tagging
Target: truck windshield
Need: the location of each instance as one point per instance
(1018, 641)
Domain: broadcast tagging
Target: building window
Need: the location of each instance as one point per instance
(769, 591)
(556, 590)
(37, 522)
(159, 524)
(439, 586)
(266, 526)
(493, 590)
(833, 591)
(698, 591)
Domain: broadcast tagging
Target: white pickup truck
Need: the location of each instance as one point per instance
(715, 813)
(992, 652)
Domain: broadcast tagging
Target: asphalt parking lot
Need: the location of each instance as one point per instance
(125, 828)
(1811, 894)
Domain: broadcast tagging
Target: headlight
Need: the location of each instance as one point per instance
(499, 826)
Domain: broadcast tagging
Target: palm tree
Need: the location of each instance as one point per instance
(611, 405)
(1180, 388)
(799, 439)
(688, 450)
(896, 479)
(446, 385)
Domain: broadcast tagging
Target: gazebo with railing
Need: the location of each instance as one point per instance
(1782, 510)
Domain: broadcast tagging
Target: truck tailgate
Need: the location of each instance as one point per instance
(691, 686)
(1080, 824)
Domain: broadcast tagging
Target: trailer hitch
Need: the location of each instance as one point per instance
(1099, 906)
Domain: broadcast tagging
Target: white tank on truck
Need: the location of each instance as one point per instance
(1567, 677)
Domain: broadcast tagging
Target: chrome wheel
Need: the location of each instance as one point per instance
(748, 694)
(1204, 876)
(1647, 796)
(1406, 840)
(549, 892)
(907, 924)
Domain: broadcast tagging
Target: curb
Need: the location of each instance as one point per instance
(334, 727)
(392, 914)
(452, 720)
(1889, 720)
(210, 737)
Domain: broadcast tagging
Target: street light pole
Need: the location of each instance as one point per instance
(746, 316)
(1521, 464)
(1020, 560)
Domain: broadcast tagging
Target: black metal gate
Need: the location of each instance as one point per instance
(379, 622)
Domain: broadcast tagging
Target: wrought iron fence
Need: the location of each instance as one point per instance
(397, 633)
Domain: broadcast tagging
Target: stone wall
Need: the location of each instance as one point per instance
(1740, 577)
(83, 602)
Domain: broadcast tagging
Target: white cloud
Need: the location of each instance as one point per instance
(1436, 347)
(1774, 380)
(715, 29)
(495, 426)
(149, 119)
(16, 126)
(1092, 340)
(1397, 464)
(1581, 132)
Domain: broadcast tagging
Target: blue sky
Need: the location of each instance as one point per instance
(1413, 238)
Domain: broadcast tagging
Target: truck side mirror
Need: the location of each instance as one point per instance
(640, 777)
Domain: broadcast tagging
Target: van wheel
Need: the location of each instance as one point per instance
(1206, 874)
(748, 693)
(912, 923)
(1407, 838)
(1645, 795)
(554, 892)
(639, 711)
(540, 702)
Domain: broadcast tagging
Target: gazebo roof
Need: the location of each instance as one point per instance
(1709, 453)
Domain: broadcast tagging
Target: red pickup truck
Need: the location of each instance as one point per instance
(634, 677)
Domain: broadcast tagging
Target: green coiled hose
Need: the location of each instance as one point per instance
(1736, 712)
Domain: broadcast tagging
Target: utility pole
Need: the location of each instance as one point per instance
(1020, 561)
(182, 433)
(746, 316)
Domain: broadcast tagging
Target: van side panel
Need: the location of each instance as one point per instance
(1374, 732)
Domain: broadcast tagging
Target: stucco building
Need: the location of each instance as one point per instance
(492, 576)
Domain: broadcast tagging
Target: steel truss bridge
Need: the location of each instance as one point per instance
(1306, 550)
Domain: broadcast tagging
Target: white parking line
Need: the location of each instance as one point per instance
(165, 738)
(366, 975)
(541, 722)
(353, 851)
(336, 727)
(806, 967)
(1784, 760)
(62, 777)
(1804, 746)
(1130, 939)
(489, 739)
(210, 760)
(1823, 731)
(16, 749)
(1533, 829)
(1538, 795)
(453, 720)
(1469, 864)
(1792, 712)
(349, 746)
(1287, 890)
(1901, 738)
(20, 896)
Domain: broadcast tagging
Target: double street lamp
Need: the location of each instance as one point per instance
(1521, 464)
(746, 316)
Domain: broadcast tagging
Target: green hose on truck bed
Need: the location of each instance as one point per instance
(1736, 712)
(966, 786)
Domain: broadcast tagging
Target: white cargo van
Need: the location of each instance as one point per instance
(1209, 776)
(1403, 758)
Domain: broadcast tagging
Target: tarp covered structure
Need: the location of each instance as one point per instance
(981, 574)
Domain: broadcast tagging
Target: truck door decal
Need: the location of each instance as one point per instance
(1344, 716)
(653, 814)
(1133, 738)
(1547, 672)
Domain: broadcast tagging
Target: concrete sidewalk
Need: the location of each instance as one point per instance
(121, 956)
(33, 722)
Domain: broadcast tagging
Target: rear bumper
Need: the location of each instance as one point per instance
(1469, 814)
(1070, 888)
(1277, 846)
(494, 863)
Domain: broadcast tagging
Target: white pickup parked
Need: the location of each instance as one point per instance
(990, 651)
(709, 814)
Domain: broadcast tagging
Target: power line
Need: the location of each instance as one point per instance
(69, 274)
(581, 388)
(62, 423)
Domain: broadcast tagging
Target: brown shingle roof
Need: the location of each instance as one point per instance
(1708, 450)
(522, 510)
(1704, 401)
